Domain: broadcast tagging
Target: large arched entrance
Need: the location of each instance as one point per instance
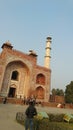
(12, 88)
(16, 73)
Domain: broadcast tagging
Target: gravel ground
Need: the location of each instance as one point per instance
(8, 115)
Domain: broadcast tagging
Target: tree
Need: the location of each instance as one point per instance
(53, 91)
(69, 93)
(58, 92)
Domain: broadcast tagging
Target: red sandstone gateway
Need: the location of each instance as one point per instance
(20, 76)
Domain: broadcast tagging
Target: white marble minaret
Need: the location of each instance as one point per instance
(47, 54)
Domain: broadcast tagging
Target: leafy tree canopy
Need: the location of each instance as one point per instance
(58, 92)
(69, 93)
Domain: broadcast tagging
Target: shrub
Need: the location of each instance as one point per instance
(56, 117)
(20, 117)
(55, 122)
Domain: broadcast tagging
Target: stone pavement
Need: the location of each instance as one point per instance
(8, 115)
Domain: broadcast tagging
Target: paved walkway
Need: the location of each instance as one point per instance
(8, 115)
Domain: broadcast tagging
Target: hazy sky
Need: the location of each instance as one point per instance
(27, 24)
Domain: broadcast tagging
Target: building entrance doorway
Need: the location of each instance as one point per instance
(12, 92)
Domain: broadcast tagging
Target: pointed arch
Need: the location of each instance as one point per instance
(40, 92)
(14, 75)
(40, 79)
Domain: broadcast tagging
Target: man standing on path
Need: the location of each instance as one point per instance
(30, 113)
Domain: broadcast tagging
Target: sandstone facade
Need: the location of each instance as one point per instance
(20, 76)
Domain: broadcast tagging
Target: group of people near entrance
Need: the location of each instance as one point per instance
(28, 99)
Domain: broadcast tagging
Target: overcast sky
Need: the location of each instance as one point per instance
(27, 24)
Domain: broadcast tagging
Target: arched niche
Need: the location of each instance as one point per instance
(40, 79)
(40, 92)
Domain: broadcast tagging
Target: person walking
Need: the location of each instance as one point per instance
(4, 100)
(30, 113)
